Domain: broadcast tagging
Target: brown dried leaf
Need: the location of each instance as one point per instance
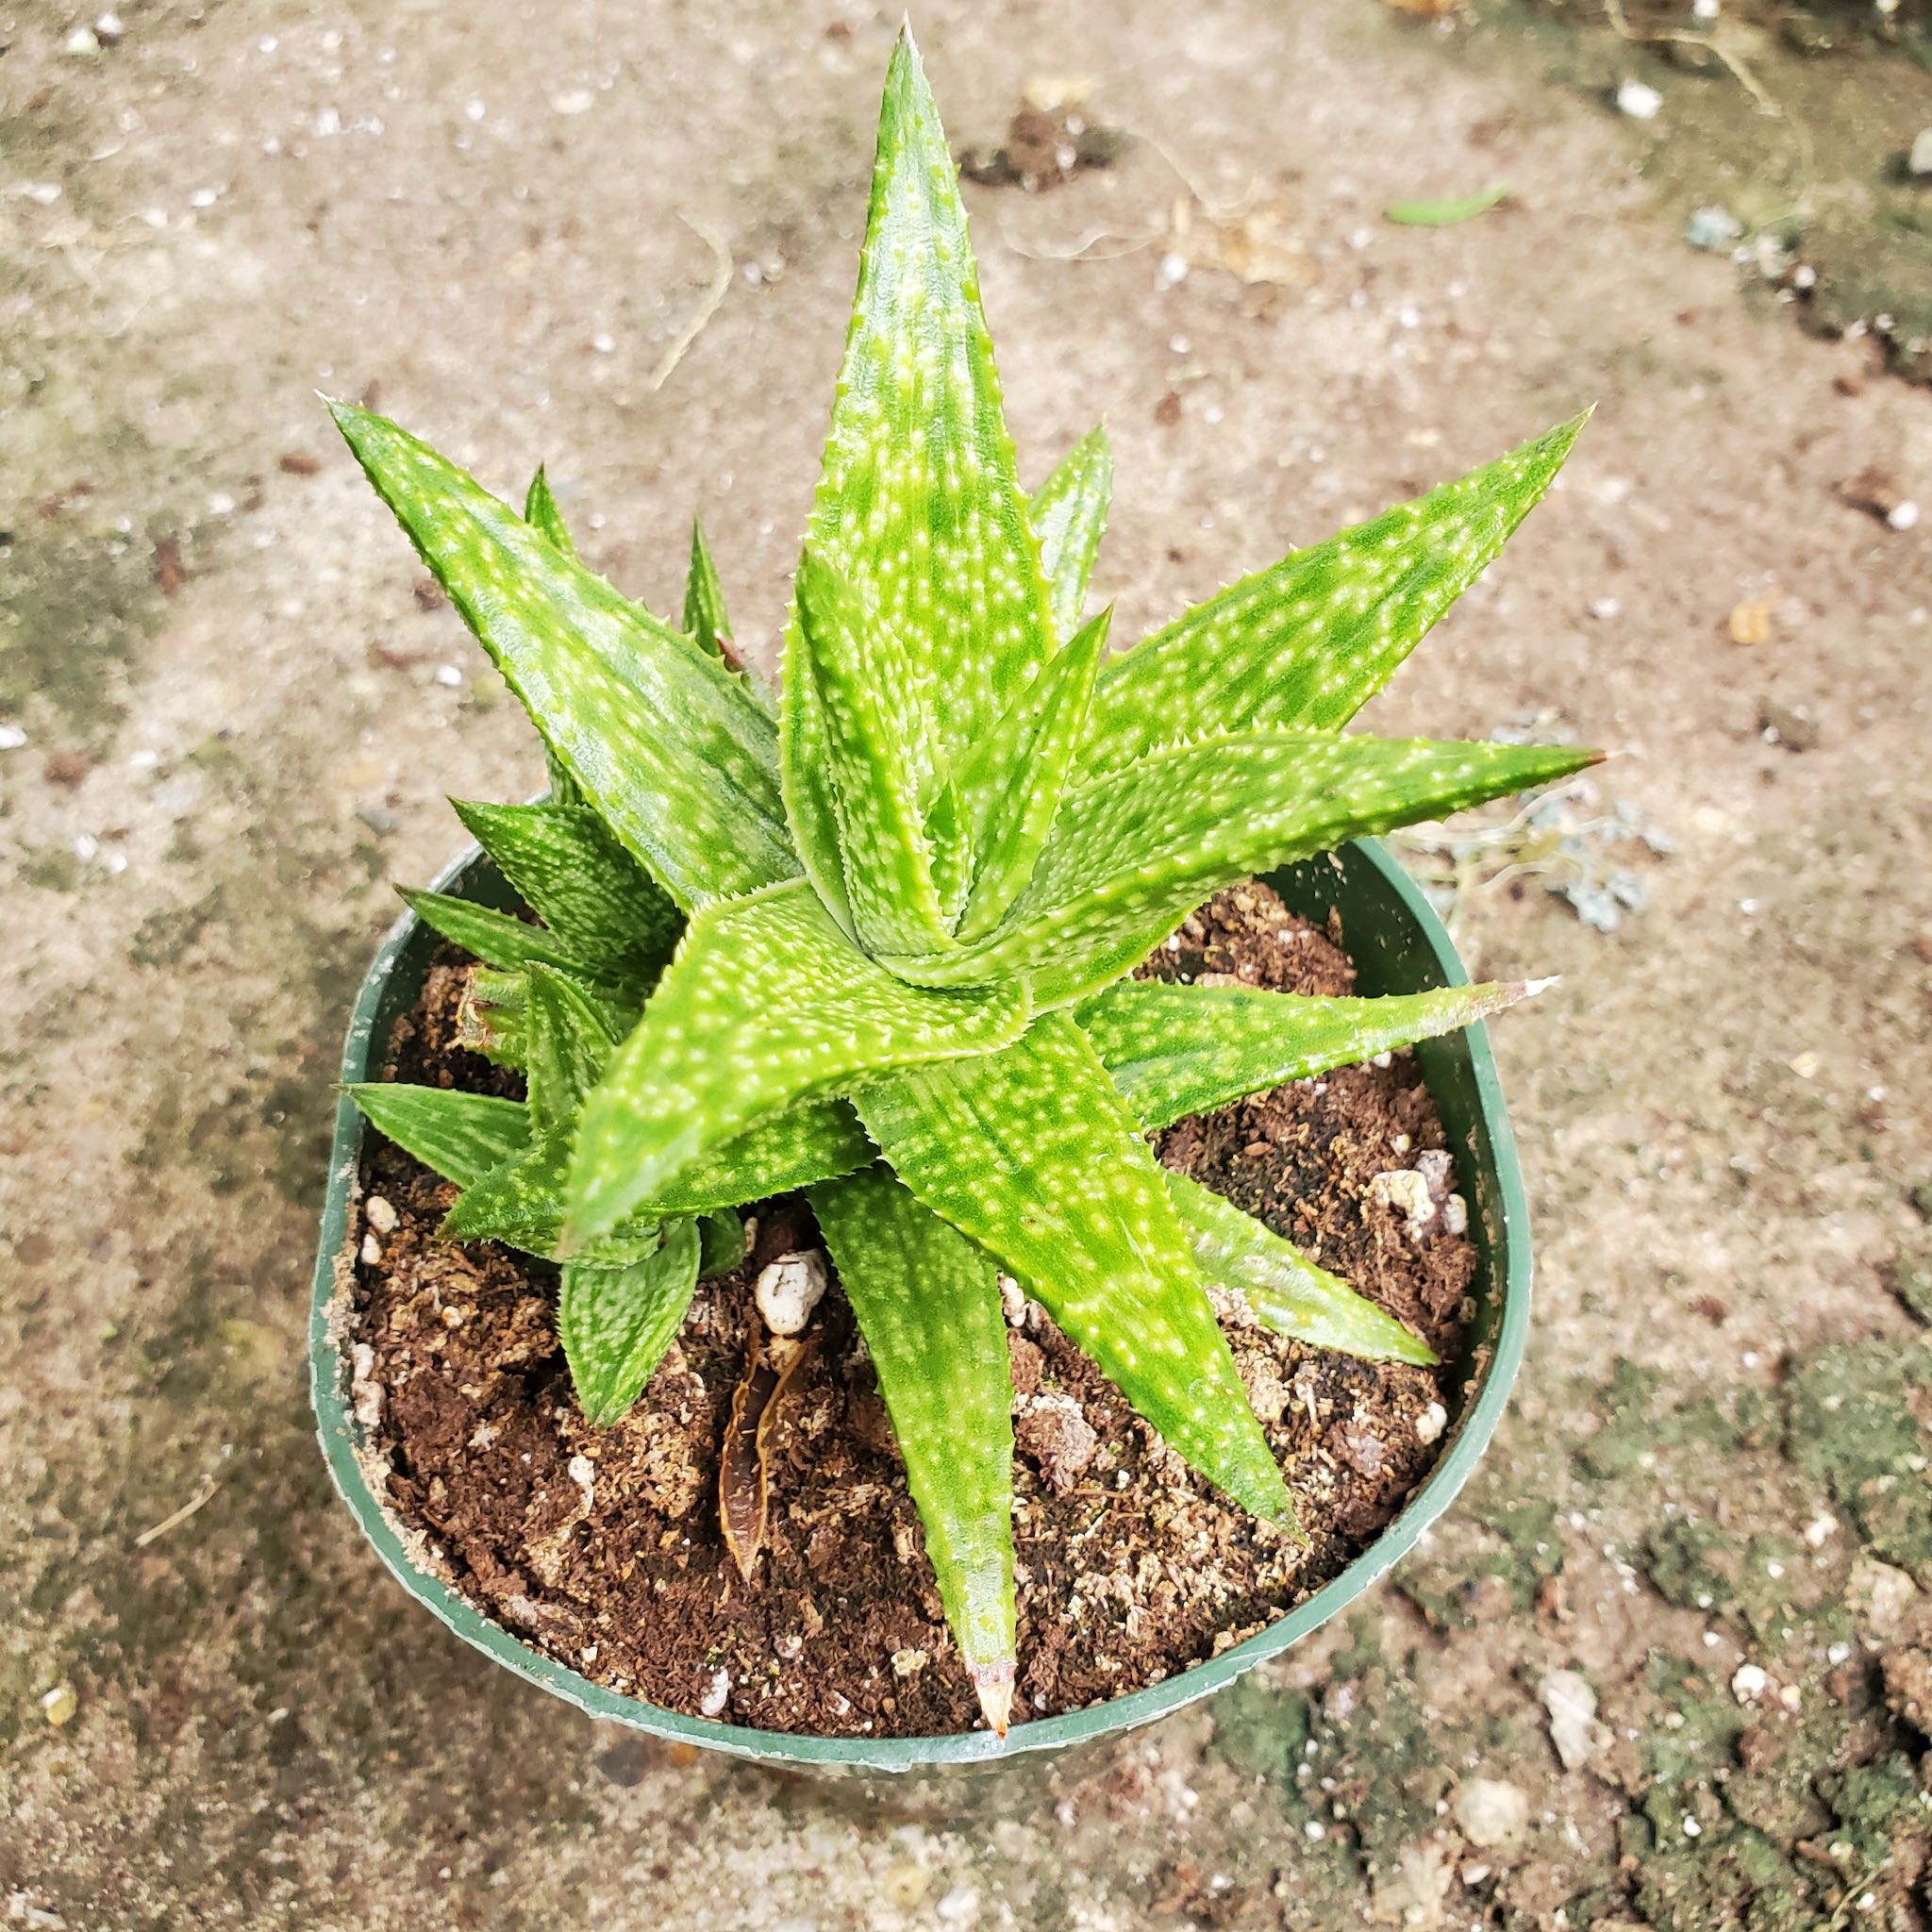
(771, 1365)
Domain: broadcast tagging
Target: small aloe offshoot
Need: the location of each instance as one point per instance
(870, 935)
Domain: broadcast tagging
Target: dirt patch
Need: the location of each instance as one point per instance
(603, 1546)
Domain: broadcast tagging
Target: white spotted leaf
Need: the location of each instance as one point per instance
(600, 903)
(927, 1301)
(1175, 1050)
(766, 1003)
(1008, 790)
(462, 1136)
(1031, 1153)
(852, 733)
(1287, 1292)
(1307, 642)
(917, 503)
(616, 1323)
(1132, 853)
(496, 938)
(1069, 516)
(661, 738)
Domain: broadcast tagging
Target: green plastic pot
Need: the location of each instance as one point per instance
(1398, 945)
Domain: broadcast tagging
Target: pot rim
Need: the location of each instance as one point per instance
(342, 1438)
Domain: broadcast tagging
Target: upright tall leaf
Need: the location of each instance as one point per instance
(1132, 853)
(1287, 1292)
(1069, 517)
(585, 887)
(917, 503)
(1030, 1153)
(660, 737)
(1308, 642)
(1011, 787)
(704, 596)
(1174, 1050)
(928, 1304)
(852, 726)
(766, 1003)
(542, 515)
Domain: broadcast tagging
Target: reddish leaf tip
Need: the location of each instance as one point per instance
(993, 1684)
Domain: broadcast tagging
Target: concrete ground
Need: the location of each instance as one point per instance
(1666, 1664)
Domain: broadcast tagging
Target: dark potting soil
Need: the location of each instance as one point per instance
(603, 1547)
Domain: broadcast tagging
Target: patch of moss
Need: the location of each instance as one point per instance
(1698, 1566)
(1626, 1435)
(1851, 1420)
(1519, 1549)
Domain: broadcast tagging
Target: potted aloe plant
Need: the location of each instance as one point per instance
(812, 1028)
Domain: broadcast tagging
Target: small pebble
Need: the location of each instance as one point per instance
(1639, 100)
(449, 676)
(82, 43)
(717, 1694)
(1012, 1301)
(59, 1704)
(372, 1251)
(908, 1663)
(1431, 1423)
(789, 1290)
(583, 1472)
(381, 1215)
(11, 738)
(1920, 159)
(1748, 1682)
(1902, 516)
(1492, 1813)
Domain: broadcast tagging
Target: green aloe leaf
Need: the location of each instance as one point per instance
(566, 1048)
(705, 616)
(1132, 853)
(810, 1140)
(721, 1243)
(496, 938)
(1031, 1153)
(1175, 1050)
(1443, 213)
(1069, 517)
(1308, 642)
(542, 515)
(1010, 789)
(462, 1136)
(616, 1323)
(585, 887)
(927, 1301)
(917, 503)
(490, 1018)
(1287, 1292)
(766, 1003)
(661, 738)
(849, 733)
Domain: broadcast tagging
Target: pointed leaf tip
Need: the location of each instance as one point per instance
(993, 1684)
